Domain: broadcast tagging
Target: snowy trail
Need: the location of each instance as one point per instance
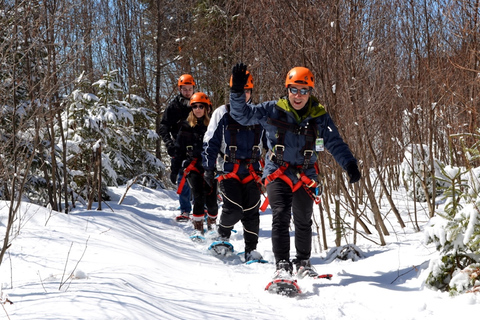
(136, 262)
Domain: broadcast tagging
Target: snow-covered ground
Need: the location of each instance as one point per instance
(133, 261)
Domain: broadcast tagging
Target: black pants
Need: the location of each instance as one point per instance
(203, 195)
(283, 202)
(240, 202)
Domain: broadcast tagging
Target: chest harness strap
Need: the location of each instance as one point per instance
(310, 133)
(234, 128)
(190, 167)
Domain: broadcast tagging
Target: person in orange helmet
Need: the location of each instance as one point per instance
(235, 153)
(176, 112)
(188, 159)
(297, 128)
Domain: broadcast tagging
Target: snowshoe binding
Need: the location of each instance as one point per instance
(254, 257)
(221, 248)
(184, 217)
(305, 269)
(283, 282)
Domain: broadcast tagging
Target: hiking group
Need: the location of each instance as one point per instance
(240, 148)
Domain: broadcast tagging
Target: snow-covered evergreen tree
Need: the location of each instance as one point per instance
(416, 173)
(456, 233)
(119, 122)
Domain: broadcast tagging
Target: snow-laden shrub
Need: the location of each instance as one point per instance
(346, 252)
(416, 173)
(456, 234)
(118, 123)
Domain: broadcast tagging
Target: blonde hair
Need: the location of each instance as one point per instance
(193, 121)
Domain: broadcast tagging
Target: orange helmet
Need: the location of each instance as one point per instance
(186, 79)
(200, 97)
(248, 85)
(300, 75)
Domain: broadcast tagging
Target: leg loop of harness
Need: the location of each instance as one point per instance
(190, 167)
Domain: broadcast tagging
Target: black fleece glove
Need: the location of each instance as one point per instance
(171, 149)
(239, 78)
(353, 172)
(209, 176)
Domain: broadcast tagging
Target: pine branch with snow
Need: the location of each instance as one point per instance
(119, 122)
(456, 232)
(416, 175)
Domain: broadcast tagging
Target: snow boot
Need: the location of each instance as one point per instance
(211, 222)
(304, 268)
(252, 255)
(284, 270)
(198, 225)
(183, 217)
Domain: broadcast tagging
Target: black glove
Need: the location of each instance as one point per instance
(171, 149)
(239, 78)
(352, 171)
(173, 177)
(209, 176)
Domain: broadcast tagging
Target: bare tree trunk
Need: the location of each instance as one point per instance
(93, 183)
(52, 101)
(322, 223)
(338, 220)
(383, 185)
(12, 211)
(158, 66)
(379, 225)
(99, 175)
(326, 198)
(355, 207)
(414, 186)
(64, 160)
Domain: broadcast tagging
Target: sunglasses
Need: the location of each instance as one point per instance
(198, 106)
(303, 91)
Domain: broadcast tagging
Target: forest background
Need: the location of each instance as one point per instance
(83, 85)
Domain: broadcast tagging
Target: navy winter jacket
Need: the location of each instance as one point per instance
(249, 114)
(218, 139)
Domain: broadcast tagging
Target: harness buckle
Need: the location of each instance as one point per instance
(279, 148)
(277, 155)
(233, 151)
(308, 153)
(255, 154)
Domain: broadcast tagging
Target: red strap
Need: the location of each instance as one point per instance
(264, 205)
(191, 167)
(309, 183)
(262, 162)
(303, 181)
(253, 175)
(232, 174)
(276, 174)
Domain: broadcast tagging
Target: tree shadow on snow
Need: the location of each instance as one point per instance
(393, 279)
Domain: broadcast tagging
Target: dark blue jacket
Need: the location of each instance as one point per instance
(250, 114)
(218, 139)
